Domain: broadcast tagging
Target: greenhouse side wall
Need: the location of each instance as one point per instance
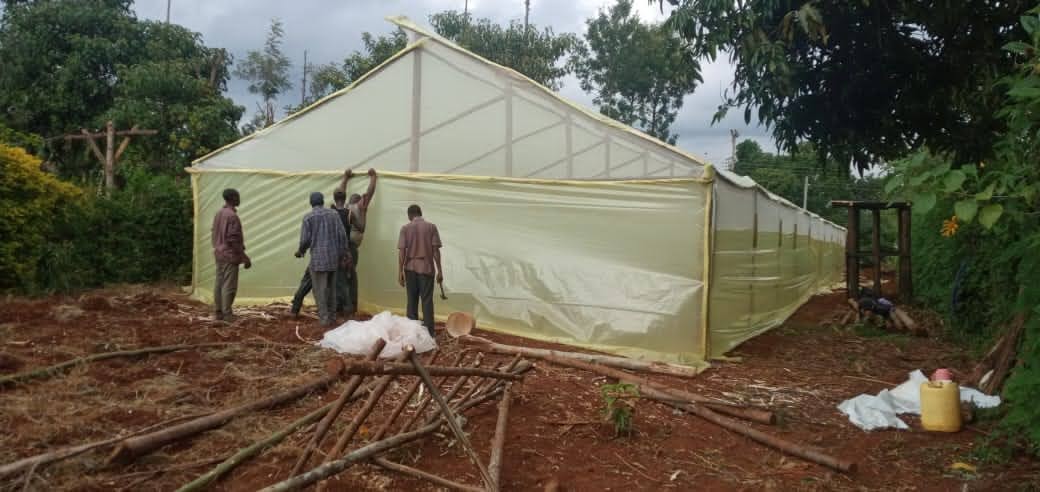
(768, 258)
(613, 266)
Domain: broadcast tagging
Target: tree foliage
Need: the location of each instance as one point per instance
(991, 214)
(863, 80)
(69, 65)
(538, 54)
(785, 175)
(375, 50)
(637, 72)
(267, 71)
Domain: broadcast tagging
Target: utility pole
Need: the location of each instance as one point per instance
(527, 13)
(168, 11)
(733, 134)
(805, 193)
(303, 86)
(465, 8)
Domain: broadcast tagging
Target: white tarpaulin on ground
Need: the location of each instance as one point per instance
(358, 337)
(869, 412)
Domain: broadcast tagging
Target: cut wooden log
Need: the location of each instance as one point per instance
(498, 443)
(34, 462)
(252, 450)
(607, 360)
(337, 407)
(1006, 356)
(661, 392)
(416, 473)
(711, 416)
(50, 371)
(908, 324)
(381, 368)
(130, 449)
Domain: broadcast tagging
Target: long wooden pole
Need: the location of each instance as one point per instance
(367, 452)
(580, 361)
(875, 246)
(110, 159)
(704, 412)
(131, 448)
(451, 417)
(498, 443)
(413, 472)
(607, 360)
(326, 422)
(383, 368)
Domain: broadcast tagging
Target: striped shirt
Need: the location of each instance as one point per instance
(326, 238)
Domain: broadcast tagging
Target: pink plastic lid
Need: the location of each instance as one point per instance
(942, 374)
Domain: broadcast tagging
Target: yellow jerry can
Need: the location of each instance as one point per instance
(940, 406)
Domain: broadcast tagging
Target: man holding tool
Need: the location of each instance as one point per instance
(419, 264)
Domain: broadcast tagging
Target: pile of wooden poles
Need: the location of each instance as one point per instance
(485, 384)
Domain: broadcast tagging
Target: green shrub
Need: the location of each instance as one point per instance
(141, 233)
(30, 200)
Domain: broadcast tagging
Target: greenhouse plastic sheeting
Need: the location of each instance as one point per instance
(761, 270)
(613, 266)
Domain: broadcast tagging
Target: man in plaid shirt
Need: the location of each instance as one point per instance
(326, 238)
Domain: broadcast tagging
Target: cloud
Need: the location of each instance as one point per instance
(331, 29)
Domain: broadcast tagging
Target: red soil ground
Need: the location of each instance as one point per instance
(802, 370)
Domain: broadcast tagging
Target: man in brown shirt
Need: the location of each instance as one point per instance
(419, 264)
(229, 251)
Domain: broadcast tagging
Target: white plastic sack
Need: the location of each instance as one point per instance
(357, 337)
(878, 412)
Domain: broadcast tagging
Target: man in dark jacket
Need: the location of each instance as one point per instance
(229, 251)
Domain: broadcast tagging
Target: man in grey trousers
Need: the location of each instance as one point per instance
(324, 235)
(229, 251)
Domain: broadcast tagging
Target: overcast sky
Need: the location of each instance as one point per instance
(331, 29)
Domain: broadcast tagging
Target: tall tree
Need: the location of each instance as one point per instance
(70, 64)
(267, 71)
(863, 80)
(536, 54)
(330, 77)
(637, 72)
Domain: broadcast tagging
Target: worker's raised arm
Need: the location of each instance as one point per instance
(367, 198)
(349, 173)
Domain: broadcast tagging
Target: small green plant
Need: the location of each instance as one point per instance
(619, 405)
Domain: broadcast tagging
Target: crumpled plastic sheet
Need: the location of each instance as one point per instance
(357, 337)
(881, 411)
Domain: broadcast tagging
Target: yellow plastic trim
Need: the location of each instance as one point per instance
(195, 229)
(462, 177)
(407, 49)
(709, 173)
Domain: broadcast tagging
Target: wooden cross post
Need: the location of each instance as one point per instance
(111, 155)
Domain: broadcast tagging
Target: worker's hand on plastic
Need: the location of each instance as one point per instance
(400, 278)
(440, 277)
(298, 254)
(247, 264)
(349, 173)
(371, 171)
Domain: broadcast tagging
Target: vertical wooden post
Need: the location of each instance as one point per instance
(754, 255)
(852, 254)
(876, 250)
(906, 284)
(110, 158)
(570, 147)
(413, 160)
(509, 128)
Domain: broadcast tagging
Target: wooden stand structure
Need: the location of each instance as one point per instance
(905, 287)
(111, 154)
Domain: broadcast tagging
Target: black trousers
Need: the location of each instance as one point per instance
(420, 288)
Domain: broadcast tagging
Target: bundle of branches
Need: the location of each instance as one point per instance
(991, 372)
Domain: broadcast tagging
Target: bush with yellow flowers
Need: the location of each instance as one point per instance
(30, 201)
